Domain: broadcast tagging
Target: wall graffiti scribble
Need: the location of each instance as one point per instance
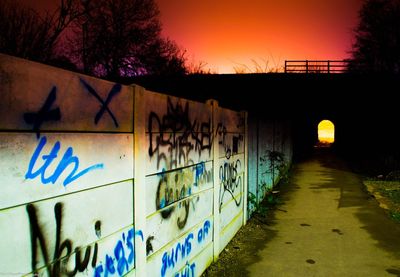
(173, 136)
(85, 163)
(113, 92)
(178, 185)
(45, 113)
(67, 160)
(230, 144)
(181, 251)
(187, 271)
(120, 261)
(231, 182)
(61, 247)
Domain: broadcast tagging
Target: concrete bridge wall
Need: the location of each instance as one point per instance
(104, 179)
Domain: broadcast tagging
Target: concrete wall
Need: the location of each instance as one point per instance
(266, 136)
(67, 173)
(107, 180)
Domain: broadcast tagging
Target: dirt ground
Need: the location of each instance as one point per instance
(387, 194)
(242, 249)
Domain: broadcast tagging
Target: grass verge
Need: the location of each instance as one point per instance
(387, 193)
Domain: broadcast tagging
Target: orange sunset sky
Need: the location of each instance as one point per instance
(227, 33)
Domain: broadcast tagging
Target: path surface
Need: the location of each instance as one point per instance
(329, 226)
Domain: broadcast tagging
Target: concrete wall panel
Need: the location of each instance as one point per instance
(67, 222)
(43, 98)
(36, 168)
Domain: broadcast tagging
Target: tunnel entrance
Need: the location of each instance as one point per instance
(326, 133)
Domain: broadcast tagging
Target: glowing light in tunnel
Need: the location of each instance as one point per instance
(326, 132)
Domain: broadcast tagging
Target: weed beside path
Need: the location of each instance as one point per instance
(387, 193)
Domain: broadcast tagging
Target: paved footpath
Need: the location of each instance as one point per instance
(329, 226)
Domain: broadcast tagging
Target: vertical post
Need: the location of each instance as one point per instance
(139, 181)
(246, 158)
(329, 65)
(216, 183)
(285, 66)
(306, 66)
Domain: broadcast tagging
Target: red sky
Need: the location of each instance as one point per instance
(227, 33)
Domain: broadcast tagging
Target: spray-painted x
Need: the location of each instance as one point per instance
(44, 114)
(114, 91)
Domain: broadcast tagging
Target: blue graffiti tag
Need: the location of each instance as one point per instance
(187, 271)
(170, 258)
(67, 160)
(182, 250)
(203, 232)
(119, 262)
(199, 169)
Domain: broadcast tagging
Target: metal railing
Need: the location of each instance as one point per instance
(316, 66)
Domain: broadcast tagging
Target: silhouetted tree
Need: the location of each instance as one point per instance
(27, 34)
(377, 46)
(119, 38)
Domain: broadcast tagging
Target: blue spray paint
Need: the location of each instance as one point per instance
(203, 232)
(170, 258)
(123, 257)
(67, 160)
(182, 251)
(187, 271)
(199, 169)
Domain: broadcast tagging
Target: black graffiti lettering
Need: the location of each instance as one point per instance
(149, 246)
(174, 136)
(65, 245)
(97, 228)
(168, 195)
(94, 260)
(104, 104)
(45, 113)
(231, 182)
(82, 265)
(62, 249)
(36, 235)
(182, 222)
(164, 197)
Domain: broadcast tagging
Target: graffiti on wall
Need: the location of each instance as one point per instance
(40, 162)
(120, 261)
(173, 136)
(45, 113)
(68, 160)
(182, 249)
(230, 143)
(231, 182)
(179, 185)
(104, 104)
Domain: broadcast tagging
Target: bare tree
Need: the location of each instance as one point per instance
(377, 46)
(27, 34)
(118, 38)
